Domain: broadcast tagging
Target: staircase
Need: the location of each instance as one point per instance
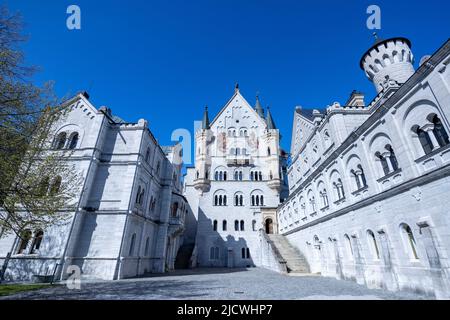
(183, 258)
(295, 261)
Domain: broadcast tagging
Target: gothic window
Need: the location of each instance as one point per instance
(132, 244)
(409, 241)
(73, 141)
(224, 225)
(39, 235)
(374, 245)
(242, 225)
(236, 225)
(215, 225)
(60, 141)
(24, 240)
(439, 131)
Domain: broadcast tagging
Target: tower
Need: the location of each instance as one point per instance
(389, 59)
(202, 161)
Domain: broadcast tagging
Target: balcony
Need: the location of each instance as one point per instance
(239, 160)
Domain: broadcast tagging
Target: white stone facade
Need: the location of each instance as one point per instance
(130, 213)
(368, 183)
(237, 173)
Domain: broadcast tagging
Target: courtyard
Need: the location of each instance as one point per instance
(217, 284)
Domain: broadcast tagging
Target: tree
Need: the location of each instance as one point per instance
(37, 183)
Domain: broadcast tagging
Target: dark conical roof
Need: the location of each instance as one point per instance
(258, 108)
(269, 120)
(205, 121)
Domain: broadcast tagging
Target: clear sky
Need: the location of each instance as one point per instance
(164, 60)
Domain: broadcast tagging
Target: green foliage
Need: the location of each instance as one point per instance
(37, 184)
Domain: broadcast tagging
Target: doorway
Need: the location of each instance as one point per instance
(269, 226)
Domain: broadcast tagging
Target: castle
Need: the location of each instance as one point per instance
(360, 197)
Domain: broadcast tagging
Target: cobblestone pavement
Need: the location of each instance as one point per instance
(217, 284)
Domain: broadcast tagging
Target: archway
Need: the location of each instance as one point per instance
(269, 226)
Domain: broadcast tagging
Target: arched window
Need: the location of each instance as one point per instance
(392, 157)
(225, 176)
(349, 247)
(254, 225)
(147, 247)
(147, 155)
(373, 243)
(224, 200)
(261, 200)
(409, 241)
(240, 175)
(236, 175)
(251, 176)
(56, 185)
(132, 244)
(38, 236)
(24, 240)
(242, 225)
(439, 132)
(248, 253)
(268, 151)
(60, 141)
(215, 225)
(243, 253)
(73, 140)
(253, 200)
(43, 186)
(424, 139)
(138, 193)
(224, 225)
(236, 225)
(241, 200)
(383, 162)
(216, 176)
(260, 176)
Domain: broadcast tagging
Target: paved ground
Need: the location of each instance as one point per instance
(217, 284)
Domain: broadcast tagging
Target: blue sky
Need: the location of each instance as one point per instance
(164, 60)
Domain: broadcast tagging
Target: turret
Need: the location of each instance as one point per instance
(202, 161)
(258, 108)
(389, 59)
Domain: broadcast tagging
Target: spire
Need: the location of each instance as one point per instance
(269, 120)
(236, 87)
(205, 121)
(258, 108)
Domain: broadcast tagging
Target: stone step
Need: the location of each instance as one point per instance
(295, 261)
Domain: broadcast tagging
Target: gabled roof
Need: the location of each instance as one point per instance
(237, 94)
